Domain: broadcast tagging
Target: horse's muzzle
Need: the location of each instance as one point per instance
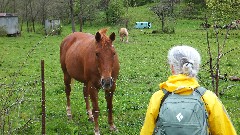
(107, 82)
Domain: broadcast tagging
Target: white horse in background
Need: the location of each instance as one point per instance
(123, 34)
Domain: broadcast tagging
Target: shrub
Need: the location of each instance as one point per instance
(3, 31)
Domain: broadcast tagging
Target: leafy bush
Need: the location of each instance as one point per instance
(114, 11)
(3, 31)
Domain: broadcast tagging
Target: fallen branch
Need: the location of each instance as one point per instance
(234, 78)
(226, 88)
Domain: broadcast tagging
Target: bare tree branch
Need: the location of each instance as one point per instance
(210, 55)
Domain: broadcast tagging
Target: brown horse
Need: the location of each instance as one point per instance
(123, 33)
(93, 61)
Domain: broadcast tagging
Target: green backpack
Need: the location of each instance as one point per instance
(182, 114)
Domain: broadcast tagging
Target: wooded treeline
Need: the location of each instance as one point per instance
(115, 11)
(37, 11)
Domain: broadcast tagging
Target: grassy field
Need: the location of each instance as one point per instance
(143, 66)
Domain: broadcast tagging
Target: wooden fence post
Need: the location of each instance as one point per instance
(43, 98)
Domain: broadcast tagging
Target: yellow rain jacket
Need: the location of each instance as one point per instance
(219, 122)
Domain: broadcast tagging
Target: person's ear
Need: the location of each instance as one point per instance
(172, 69)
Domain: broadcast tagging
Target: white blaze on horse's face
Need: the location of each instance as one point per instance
(105, 55)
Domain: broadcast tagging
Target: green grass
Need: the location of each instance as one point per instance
(143, 66)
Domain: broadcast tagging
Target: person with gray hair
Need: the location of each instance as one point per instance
(184, 62)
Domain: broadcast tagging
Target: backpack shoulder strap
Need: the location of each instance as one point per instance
(166, 93)
(200, 90)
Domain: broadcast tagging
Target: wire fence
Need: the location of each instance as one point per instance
(19, 107)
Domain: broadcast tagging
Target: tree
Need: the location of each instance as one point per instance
(220, 12)
(81, 14)
(4, 5)
(8, 6)
(164, 10)
(115, 11)
(72, 15)
(58, 9)
(43, 11)
(86, 11)
(192, 9)
(214, 64)
(134, 3)
(127, 3)
(28, 14)
(34, 10)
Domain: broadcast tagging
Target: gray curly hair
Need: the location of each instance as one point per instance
(185, 60)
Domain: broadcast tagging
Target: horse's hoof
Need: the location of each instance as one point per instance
(97, 132)
(69, 116)
(113, 128)
(91, 119)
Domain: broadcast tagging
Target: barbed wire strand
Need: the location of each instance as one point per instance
(5, 106)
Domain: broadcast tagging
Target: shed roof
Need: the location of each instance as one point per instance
(7, 14)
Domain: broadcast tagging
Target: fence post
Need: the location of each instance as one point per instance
(43, 98)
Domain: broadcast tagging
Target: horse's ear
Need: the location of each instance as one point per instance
(98, 36)
(112, 36)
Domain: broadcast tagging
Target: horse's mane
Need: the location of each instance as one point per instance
(103, 31)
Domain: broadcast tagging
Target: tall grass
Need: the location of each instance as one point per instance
(143, 66)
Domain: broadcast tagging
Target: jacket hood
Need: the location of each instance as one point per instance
(180, 84)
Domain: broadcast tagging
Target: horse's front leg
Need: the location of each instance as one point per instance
(109, 98)
(86, 98)
(121, 38)
(93, 91)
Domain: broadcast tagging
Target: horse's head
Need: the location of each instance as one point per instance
(105, 57)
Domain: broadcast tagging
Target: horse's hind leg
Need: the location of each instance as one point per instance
(86, 98)
(67, 82)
